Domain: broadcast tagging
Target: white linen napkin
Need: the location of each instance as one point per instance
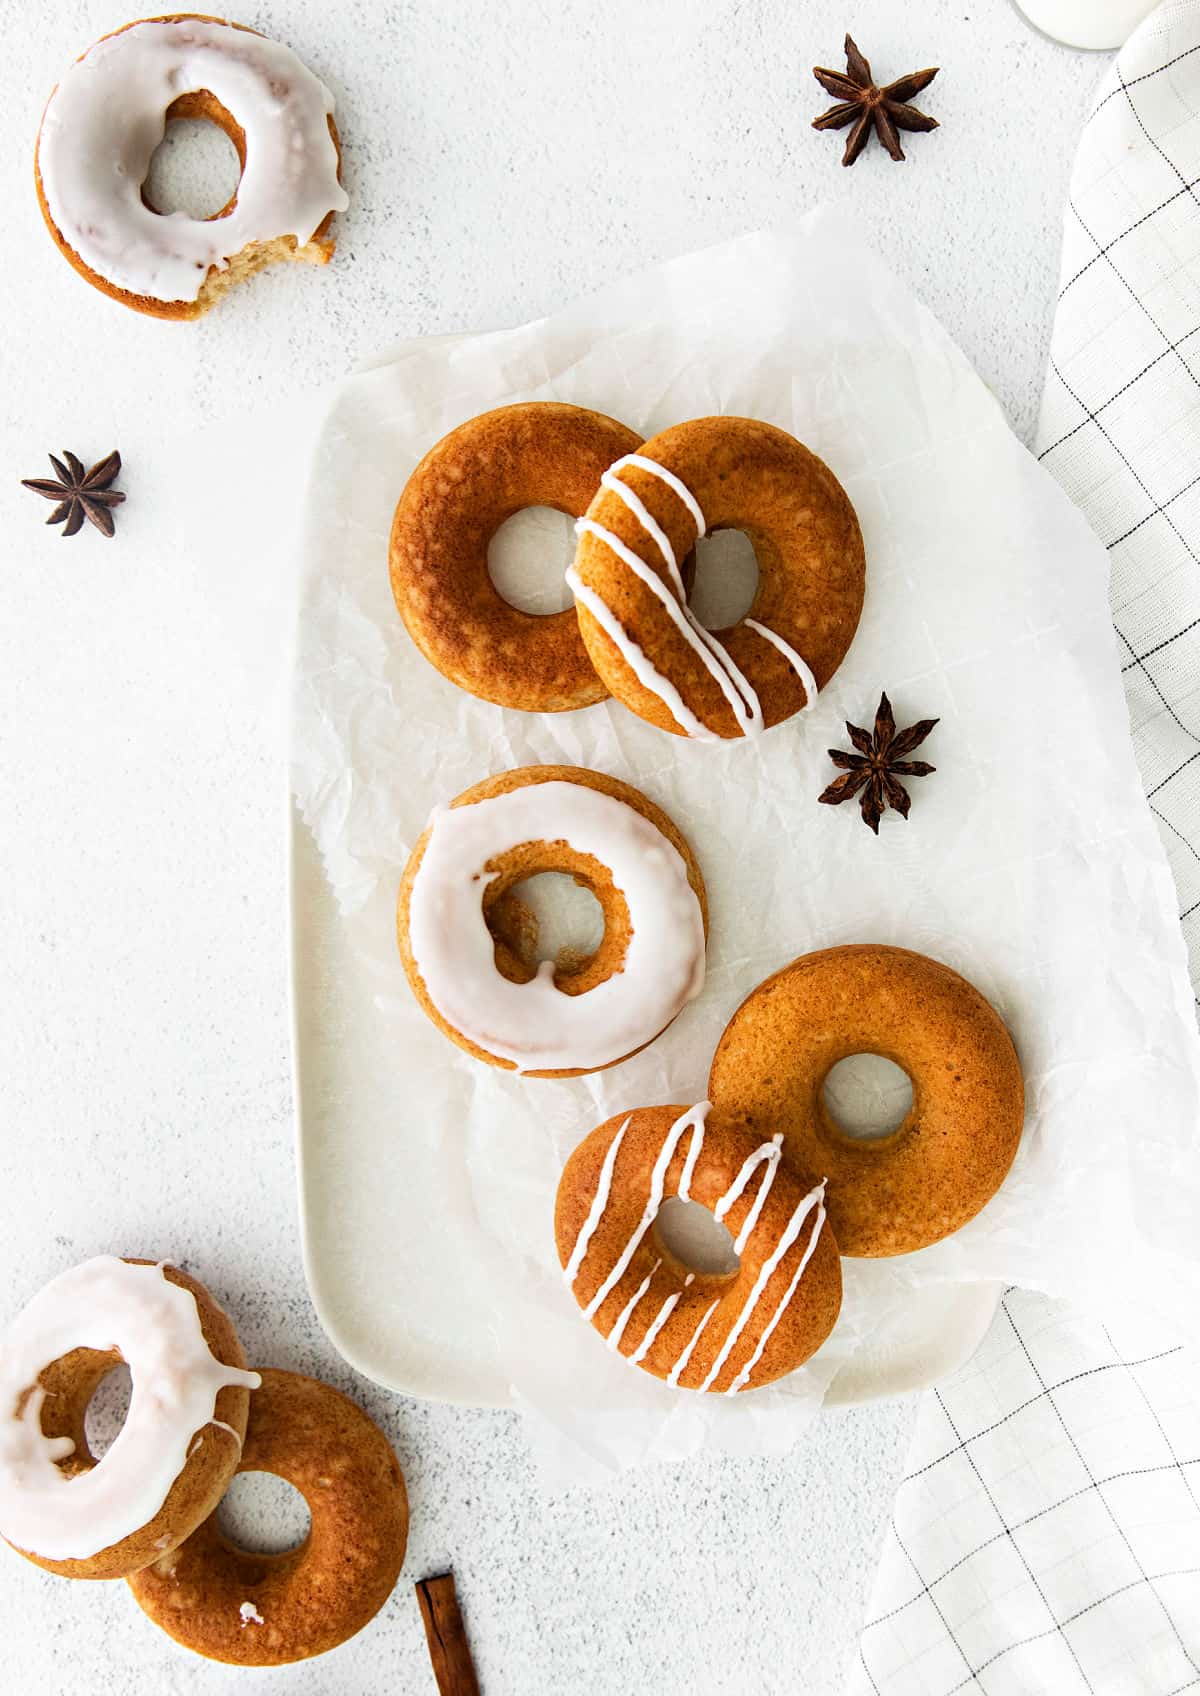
(1046, 1536)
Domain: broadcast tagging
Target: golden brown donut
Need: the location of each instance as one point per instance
(734, 473)
(256, 1610)
(254, 257)
(68, 1383)
(511, 948)
(537, 454)
(892, 1194)
(723, 1333)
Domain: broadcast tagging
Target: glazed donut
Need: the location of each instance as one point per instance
(695, 1330)
(468, 944)
(104, 120)
(177, 1450)
(891, 1194)
(644, 641)
(537, 454)
(266, 1610)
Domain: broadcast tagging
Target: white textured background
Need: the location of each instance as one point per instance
(500, 159)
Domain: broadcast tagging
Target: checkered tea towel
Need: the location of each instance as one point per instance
(1046, 1535)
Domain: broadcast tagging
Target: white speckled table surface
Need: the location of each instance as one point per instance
(500, 159)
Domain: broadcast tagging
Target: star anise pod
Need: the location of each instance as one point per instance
(872, 774)
(80, 494)
(862, 103)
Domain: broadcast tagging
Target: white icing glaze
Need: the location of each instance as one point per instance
(767, 1155)
(766, 1270)
(674, 483)
(743, 702)
(638, 661)
(692, 1120)
(108, 114)
(599, 1203)
(534, 1024)
(680, 1366)
(249, 1612)
(736, 687)
(655, 1326)
(743, 1376)
(798, 664)
(104, 1304)
(618, 1330)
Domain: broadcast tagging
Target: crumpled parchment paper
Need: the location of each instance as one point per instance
(1029, 863)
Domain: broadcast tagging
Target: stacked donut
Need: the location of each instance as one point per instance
(640, 507)
(765, 1156)
(145, 1511)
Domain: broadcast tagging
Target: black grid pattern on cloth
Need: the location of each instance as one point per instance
(1046, 1537)
(1120, 424)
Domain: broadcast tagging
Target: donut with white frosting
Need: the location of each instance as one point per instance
(265, 1610)
(106, 117)
(717, 1332)
(630, 592)
(174, 1455)
(469, 944)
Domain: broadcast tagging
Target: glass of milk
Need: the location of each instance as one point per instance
(1099, 24)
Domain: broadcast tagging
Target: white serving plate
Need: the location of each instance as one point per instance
(393, 1267)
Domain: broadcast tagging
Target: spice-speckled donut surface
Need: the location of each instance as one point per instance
(891, 1194)
(266, 1610)
(540, 453)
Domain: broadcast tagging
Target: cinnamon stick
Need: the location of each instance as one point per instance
(449, 1650)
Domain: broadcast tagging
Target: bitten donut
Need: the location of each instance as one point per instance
(538, 454)
(702, 1332)
(468, 944)
(169, 1464)
(258, 1610)
(107, 116)
(652, 652)
(892, 1194)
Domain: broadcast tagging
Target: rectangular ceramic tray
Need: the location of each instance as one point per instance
(389, 1250)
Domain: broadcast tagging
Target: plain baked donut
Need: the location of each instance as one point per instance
(723, 1333)
(104, 120)
(177, 1450)
(653, 654)
(893, 1194)
(266, 1610)
(469, 945)
(540, 453)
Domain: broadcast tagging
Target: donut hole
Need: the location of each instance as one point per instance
(867, 1097)
(693, 1237)
(262, 1514)
(528, 558)
(553, 917)
(107, 1410)
(196, 167)
(726, 579)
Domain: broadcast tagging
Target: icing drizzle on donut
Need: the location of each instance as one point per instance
(103, 1304)
(108, 114)
(535, 1025)
(767, 1156)
(736, 687)
(692, 1120)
